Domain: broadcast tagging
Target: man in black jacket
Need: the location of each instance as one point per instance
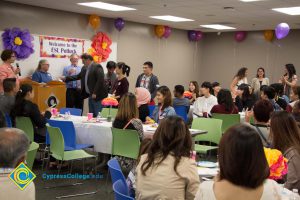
(148, 80)
(92, 83)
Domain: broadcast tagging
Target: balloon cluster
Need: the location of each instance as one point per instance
(195, 36)
(162, 31)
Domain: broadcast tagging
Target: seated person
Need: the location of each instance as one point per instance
(262, 112)
(41, 74)
(2, 120)
(268, 93)
(166, 171)
(204, 104)
(282, 100)
(24, 107)
(7, 100)
(179, 99)
(296, 112)
(164, 107)
(295, 95)
(216, 88)
(143, 98)
(194, 89)
(244, 100)
(225, 103)
(247, 178)
(14, 145)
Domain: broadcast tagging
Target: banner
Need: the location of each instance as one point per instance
(58, 47)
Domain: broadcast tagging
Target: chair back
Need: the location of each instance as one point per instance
(73, 111)
(125, 143)
(228, 120)
(115, 171)
(119, 189)
(113, 112)
(151, 109)
(181, 111)
(212, 126)
(31, 153)
(8, 120)
(25, 124)
(57, 145)
(67, 129)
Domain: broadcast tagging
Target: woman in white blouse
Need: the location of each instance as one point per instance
(239, 78)
(258, 81)
(244, 170)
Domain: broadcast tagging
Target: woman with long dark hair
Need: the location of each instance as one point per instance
(121, 86)
(258, 81)
(244, 100)
(225, 103)
(239, 78)
(167, 171)
(194, 89)
(289, 79)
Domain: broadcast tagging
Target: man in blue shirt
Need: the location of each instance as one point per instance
(41, 74)
(73, 95)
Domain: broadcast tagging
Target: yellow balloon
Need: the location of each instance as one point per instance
(269, 35)
(94, 21)
(159, 30)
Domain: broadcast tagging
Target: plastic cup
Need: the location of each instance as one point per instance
(54, 111)
(90, 116)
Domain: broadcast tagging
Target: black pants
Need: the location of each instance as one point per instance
(74, 99)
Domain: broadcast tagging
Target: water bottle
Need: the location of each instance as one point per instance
(98, 117)
(294, 195)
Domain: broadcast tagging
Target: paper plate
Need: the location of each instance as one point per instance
(207, 164)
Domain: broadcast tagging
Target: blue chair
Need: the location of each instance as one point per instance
(116, 173)
(68, 131)
(120, 191)
(73, 111)
(182, 112)
(8, 120)
(151, 109)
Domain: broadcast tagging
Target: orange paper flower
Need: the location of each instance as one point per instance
(100, 48)
(277, 163)
(109, 101)
(188, 94)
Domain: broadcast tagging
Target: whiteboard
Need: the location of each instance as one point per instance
(28, 65)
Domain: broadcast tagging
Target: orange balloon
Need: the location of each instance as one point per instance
(159, 30)
(94, 21)
(269, 35)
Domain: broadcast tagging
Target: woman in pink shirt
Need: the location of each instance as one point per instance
(6, 69)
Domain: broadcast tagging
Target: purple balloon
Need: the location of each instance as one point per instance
(119, 24)
(282, 30)
(192, 35)
(168, 32)
(199, 35)
(240, 35)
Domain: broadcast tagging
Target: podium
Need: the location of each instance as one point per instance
(47, 95)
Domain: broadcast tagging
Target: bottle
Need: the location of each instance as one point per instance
(98, 117)
(294, 195)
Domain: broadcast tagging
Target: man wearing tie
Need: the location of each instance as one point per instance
(92, 83)
(73, 95)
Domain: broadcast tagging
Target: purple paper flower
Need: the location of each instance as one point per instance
(19, 41)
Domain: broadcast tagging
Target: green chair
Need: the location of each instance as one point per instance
(25, 124)
(228, 120)
(31, 153)
(125, 143)
(213, 135)
(105, 112)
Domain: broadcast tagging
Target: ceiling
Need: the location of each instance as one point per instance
(244, 16)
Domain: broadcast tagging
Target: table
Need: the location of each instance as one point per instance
(99, 133)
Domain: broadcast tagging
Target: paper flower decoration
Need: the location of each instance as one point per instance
(100, 48)
(19, 41)
(277, 163)
(188, 94)
(109, 101)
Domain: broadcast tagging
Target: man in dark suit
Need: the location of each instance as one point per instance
(92, 83)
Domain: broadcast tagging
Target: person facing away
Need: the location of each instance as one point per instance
(289, 79)
(166, 170)
(204, 104)
(225, 103)
(92, 83)
(179, 99)
(121, 85)
(295, 95)
(110, 76)
(7, 100)
(73, 94)
(14, 145)
(41, 74)
(24, 107)
(268, 93)
(148, 80)
(143, 98)
(164, 107)
(281, 99)
(247, 178)
(258, 81)
(6, 69)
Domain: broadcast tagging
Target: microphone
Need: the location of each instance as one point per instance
(18, 68)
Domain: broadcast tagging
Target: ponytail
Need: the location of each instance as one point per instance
(125, 68)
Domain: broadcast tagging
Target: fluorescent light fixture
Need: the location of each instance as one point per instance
(289, 10)
(171, 18)
(105, 6)
(250, 0)
(217, 26)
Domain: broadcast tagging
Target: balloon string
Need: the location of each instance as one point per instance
(234, 54)
(195, 55)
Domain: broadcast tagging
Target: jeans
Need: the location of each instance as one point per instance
(94, 106)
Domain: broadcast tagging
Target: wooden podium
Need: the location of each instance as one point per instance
(46, 95)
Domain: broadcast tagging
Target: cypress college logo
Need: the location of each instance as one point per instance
(22, 176)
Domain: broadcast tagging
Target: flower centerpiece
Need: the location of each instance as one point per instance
(20, 41)
(277, 163)
(188, 94)
(110, 101)
(100, 48)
